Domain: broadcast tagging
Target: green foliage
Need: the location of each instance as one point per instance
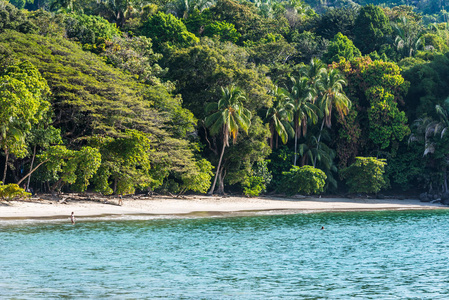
(135, 55)
(14, 19)
(197, 179)
(340, 48)
(12, 191)
(371, 28)
(337, 20)
(166, 31)
(70, 166)
(201, 70)
(308, 45)
(257, 183)
(387, 124)
(303, 180)
(224, 30)
(126, 163)
(377, 88)
(22, 103)
(253, 186)
(365, 175)
(90, 30)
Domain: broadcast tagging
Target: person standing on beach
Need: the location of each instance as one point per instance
(72, 218)
(120, 200)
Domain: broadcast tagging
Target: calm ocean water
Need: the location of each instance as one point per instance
(359, 255)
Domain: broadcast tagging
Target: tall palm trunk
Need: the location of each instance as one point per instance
(218, 169)
(6, 165)
(318, 144)
(221, 177)
(296, 141)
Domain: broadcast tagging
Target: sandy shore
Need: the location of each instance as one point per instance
(38, 208)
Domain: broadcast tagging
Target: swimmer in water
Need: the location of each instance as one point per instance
(322, 227)
(72, 218)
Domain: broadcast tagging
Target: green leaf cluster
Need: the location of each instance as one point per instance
(365, 175)
(303, 180)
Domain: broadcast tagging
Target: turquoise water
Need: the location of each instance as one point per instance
(369, 255)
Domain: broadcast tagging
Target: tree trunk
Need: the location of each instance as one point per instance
(31, 167)
(296, 146)
(445, 180)
(31, 172)
(218, 169)
(221, 177)
(318, 144)
(6, 165)
(55, 186)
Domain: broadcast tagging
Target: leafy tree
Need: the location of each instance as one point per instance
(341, 48)
(126, 163)
(243, 15)
(337, 20)
(166, 31)
(75, 167)
(305, 180)
(14, 19)
(91, 30)
(308, 45)
(23, 102)
(136, 56)
(227, 117)
(371, 29)
(201, 70)
(363, 74)
(388, 124)
(365, 175)
(224, 30)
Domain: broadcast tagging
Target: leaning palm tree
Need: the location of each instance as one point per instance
(279, 116)
(227, 117)
(332, 97)
(301, 97)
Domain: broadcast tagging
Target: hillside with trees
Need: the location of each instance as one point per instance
(225, 96)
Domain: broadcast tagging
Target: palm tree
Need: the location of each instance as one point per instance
(313, 72)
(408, 35)
(301, 97)
(332, 97)
(279, 116)
(227, 117)
(429, 128)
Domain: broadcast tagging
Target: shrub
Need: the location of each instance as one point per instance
(365, 175)
(12, 191)
(253, 186)
(303, 180)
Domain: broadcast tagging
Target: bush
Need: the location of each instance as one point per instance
(303, 180)
(365, 175)
(253, 186)
(12, 191)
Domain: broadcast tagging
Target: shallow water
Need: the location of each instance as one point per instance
(359, 255)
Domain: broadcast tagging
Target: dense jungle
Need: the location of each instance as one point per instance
(224, 96)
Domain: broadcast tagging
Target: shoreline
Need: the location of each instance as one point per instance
(194, 206)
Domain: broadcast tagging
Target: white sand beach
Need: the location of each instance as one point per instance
(197, 205)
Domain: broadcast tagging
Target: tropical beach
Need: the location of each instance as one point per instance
(198, 206)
